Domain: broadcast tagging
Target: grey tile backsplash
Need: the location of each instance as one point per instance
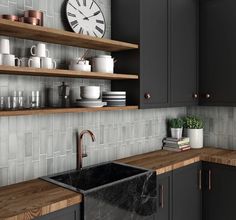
(33, 146)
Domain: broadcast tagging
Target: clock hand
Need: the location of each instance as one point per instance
(81, 13)
(95, 14)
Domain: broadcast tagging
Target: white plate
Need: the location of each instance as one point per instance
(91, 105)
(113, 97)
(114, 93)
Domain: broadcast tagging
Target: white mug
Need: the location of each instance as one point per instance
(39, 50)
(4, 46)
(48, 63)
(34, 62)
(10, 60)
(0, 59)
(24, 62)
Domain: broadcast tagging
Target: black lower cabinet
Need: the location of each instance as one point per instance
(187, 193)
(219, 192)
(71, 213)
(164, 205)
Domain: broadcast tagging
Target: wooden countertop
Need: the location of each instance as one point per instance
(27, 200)
(164, 161)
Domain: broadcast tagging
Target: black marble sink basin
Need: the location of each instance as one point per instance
(95, 177)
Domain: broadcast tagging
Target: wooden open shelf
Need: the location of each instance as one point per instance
(63, 73)
(62, 110)
(55, 36)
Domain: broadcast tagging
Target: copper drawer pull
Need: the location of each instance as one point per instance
(161, 188)
(209, 180)
(200, 180)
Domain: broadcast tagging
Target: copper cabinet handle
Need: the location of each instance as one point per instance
(147, 96)
(200, 179)
(209, 180)
(161, 189)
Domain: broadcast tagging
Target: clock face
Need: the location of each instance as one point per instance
(85, 17)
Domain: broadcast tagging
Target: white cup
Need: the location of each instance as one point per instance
(39, 50)
(34, 62)
(10, 60)
(0, 59)
(24, 62)
(48, 63)
(4, 46)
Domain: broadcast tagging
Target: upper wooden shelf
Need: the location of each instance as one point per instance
(55, 36)
(64, 73)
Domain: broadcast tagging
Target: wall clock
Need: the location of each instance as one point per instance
(86, 17)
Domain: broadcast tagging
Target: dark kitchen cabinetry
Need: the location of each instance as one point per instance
(71, 213)
(219, 192)
(187, 193)
(217, 52)
(180, 194)
(167, 32)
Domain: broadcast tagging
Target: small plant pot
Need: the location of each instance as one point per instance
(176, 132)
(196, 138)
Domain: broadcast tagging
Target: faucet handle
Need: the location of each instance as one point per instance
(84, 155)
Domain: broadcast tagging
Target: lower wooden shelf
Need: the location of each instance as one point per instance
(62, 110)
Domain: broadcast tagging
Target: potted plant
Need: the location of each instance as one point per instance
(176, 127)
(194, 126)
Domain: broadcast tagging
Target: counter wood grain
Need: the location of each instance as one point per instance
(27, 200)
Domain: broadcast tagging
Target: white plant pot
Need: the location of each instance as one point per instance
(176, 132)
(196, 138)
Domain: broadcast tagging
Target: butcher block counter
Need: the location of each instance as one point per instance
(27, 200)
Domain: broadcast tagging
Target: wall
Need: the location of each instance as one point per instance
(33, 146)
(220, 125)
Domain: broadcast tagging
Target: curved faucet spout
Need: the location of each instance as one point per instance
(80, 154)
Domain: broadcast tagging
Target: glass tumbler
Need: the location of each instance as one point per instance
(2, 103)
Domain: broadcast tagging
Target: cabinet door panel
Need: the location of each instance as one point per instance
(183, 53)
(153, 53)
(187, 194)
(218, 52)
(219, 201)
(164, 187)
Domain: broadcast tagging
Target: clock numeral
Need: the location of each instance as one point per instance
(99, 29)
(78, 2)
(88, 33)
(91, 5)
(95, 34)
(71, 15)
(96, 13)
(72, 6)
(85, 3)
(100, 21)
(74, 23)
(81, 30)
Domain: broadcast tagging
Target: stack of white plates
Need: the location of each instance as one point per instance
(83, 103)
(117, 98)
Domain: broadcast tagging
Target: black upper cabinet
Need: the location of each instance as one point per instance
(187, 193)
(217, 52)
(219, 192)
(166, 31)
(183, 21)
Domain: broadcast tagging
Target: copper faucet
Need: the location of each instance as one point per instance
(80, 154)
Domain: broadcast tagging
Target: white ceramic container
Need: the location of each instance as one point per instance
(90, 92)
(103, 63)
(176, 132)
(196, 138)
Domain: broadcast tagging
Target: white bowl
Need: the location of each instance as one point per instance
(90, 92)
(103, 64)
(80, 67)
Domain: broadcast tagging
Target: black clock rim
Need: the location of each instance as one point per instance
(105, 23)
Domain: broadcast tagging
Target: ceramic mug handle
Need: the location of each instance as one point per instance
(18, 61)
(29, 62)
(54, 64)
(47, 53)
(32, 50)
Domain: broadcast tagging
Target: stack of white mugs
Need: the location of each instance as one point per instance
(39, 59)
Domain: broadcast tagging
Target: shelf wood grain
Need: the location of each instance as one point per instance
(64, 73)
(62, 110)
(56, 36)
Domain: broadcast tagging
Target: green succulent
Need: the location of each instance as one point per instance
(176, 123)
(193, 122)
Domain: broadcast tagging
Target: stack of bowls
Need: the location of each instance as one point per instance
(115, 98)
(90, 97)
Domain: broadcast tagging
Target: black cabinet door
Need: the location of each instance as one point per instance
(164, 187)
(71, 213)
(219, 192)
(187, 193)
(183, 39)
(217, 52)
(153, 54)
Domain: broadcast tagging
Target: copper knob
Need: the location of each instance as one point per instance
(147, 96)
